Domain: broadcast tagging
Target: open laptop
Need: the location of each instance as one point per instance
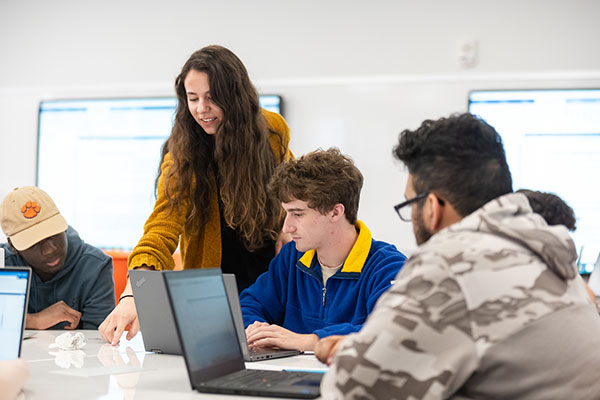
(250, 353)
(14, 295)
(211, 350)
(154, 312)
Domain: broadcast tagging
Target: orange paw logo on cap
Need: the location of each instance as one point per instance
(31, 209)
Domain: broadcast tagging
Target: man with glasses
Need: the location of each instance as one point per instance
(489, 305)
(328, 279)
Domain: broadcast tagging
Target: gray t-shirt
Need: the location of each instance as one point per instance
(328, 272)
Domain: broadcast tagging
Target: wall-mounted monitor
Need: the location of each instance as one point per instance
(98, 158)
(271, 102)
(552, 143)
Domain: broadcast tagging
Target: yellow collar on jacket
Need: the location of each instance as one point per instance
(358, 254)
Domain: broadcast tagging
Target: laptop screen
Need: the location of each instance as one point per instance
(14, 286)
(204, 321)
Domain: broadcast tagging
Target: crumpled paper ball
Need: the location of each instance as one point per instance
(68, 341)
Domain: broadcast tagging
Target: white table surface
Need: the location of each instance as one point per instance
(125, 371)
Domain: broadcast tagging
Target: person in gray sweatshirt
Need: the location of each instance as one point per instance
(489, 306)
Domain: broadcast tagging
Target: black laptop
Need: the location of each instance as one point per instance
(154, 312)
(211, 350)
(14, 295)
(249, 353)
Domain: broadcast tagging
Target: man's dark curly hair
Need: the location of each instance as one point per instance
(460, 157)
(554, 209)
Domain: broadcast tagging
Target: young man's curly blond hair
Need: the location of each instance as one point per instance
(322, 178)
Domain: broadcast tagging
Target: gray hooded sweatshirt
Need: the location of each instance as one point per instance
(491, 307)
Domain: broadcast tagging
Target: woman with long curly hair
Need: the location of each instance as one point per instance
(211, 187)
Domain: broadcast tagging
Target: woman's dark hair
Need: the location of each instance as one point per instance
(460, 157)
(239, 154)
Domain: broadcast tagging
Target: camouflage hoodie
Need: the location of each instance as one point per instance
(489, 308)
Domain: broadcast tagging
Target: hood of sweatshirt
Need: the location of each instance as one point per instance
(511, 217)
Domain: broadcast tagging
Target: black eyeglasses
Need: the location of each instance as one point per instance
(404, 209)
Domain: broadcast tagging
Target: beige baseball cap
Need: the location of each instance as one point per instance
(28, 216)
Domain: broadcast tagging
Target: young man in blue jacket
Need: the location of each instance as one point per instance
(328, 279)
(72, 285)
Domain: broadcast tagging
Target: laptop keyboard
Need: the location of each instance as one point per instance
(254, 351)
(260, 351)
(250, 378)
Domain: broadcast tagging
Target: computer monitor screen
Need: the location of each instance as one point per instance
(552, 143)
(271, 102)
(98, 159)
(14, 286)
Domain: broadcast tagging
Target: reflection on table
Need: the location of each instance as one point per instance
(127, 371)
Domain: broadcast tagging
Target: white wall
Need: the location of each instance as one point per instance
(352, 74)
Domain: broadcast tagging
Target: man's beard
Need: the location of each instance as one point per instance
(422, 234)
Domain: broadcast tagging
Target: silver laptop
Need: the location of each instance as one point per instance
(593, 280)
(14, 295)
(154, 312)
(212, 352)
(250, 353)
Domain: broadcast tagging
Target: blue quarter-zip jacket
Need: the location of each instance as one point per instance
(85, 283)
(291, 293)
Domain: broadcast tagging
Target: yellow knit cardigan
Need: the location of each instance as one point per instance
(201, 248)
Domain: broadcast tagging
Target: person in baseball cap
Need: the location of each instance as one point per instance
(72, 285)
(29, 216)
